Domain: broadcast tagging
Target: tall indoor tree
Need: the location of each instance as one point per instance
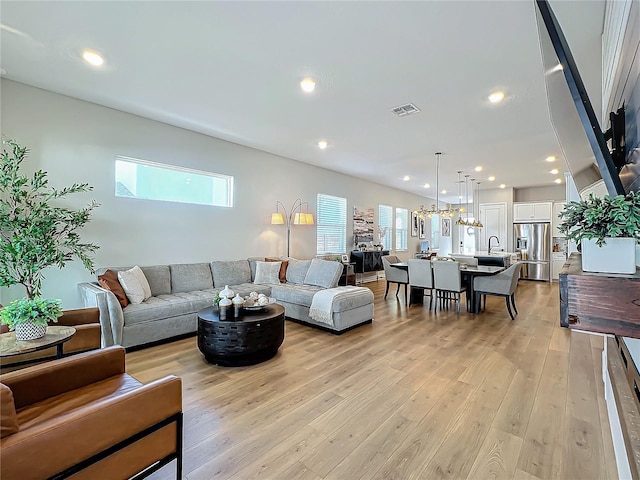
(35, 233)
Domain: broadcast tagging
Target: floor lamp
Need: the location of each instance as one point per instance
(295, 217)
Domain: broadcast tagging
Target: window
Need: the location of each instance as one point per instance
(402, 215)
(435, 232)
(332, 224)
(154, 181)
(385, 222)
(469, 238)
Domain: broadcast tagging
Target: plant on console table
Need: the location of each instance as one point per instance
(607, 229)
(36, 234)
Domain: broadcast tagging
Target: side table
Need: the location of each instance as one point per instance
(55, 336)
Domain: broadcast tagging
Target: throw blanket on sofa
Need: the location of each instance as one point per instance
(322, 304)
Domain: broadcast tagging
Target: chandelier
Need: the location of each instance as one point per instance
(435, 209)
(466, 222)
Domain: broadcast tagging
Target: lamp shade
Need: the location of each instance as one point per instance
(277, 219)
(309, 218)
(299, 219)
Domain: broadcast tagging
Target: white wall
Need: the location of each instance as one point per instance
(540, 194)
(77, 141)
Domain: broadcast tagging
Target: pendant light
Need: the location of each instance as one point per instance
(477, 223)
(447, 212)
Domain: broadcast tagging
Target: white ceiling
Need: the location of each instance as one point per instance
(232, 70)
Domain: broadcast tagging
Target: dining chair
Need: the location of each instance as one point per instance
(503, 284)
(421, 276)
(446, 279)
(395, 275)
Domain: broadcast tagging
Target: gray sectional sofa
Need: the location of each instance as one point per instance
(179, 291)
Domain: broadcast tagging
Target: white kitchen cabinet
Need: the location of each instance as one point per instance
(557, 262)
(558, 207)
(532, 212)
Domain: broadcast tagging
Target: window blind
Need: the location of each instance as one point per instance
(332, 224)
(385, 221)
(402, 215)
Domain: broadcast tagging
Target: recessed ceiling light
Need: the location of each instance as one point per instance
(554, 171)
(443, 192)
(558, 180)
(491, 178)
(426, 185)
(322, 144)
(502, 185)
(550, 159)
(478, 168)
(406, 178)
(308, 85)
(496, 97)
(92, 58)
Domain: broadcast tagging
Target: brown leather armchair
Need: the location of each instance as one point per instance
(86, 321)
(83, 416)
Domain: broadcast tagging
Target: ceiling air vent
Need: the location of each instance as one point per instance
(407, 109)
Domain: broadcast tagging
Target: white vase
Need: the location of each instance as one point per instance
(618, 255)
(30, 331)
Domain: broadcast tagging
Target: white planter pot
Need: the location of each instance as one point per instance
(30, 331)
(617, 256)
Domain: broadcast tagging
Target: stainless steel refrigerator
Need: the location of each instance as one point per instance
(533, 242)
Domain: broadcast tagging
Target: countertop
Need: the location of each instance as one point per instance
(483, 253)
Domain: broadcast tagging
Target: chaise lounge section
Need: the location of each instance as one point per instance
(179, 291)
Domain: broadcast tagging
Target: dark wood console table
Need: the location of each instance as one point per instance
(599, 302)
(368, 261)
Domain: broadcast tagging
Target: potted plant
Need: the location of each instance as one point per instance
(29, 318)
(36, 234)
(607, 229)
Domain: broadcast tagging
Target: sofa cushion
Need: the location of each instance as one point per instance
(297, 270)
(282, 275)
(252, 265)
(230, 272)
(167, 306)
(323, 273)
(188, 277)
(132, 286)
(268, 273)
(349, 302)
(109, 281)
(296, 294)
(8, 419)
(159, 278)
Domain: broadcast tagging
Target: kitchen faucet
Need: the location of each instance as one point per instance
(497, 239)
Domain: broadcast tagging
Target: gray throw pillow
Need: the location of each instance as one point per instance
(297, 270)
(323, 273)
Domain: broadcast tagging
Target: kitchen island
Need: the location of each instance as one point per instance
(500, 259)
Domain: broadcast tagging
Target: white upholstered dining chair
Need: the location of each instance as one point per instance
(446, 280)
(394, 275)
(421, 276)
(503, 284)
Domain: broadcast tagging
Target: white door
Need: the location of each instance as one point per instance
(493, 217)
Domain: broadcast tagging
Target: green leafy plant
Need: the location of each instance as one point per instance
(216, 299)
(34, 233)
(39, 311)
(598, 218)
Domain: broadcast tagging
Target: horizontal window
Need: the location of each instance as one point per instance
(154, 181)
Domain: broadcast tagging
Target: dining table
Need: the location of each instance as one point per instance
(468, 272)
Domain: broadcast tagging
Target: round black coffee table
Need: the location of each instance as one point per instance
(249, 339)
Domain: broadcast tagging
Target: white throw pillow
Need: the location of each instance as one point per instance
(131, 286)
(268, 273)
(137, 271)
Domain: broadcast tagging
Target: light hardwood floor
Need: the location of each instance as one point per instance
(415, 395)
